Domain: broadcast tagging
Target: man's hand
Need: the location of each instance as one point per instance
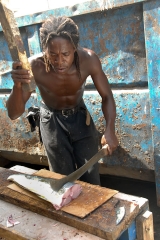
(110, 139)
(19, 75)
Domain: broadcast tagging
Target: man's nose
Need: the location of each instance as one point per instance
(59, 60)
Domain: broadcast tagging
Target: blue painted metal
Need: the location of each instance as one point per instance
(129, 47)
(130, 233)
(132, 126)
(119, 49)
(152, 35)
(77, 9)
(125, 36)
(118, 39)
(33, 39)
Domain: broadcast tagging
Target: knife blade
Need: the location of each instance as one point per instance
(120, 213)
(58, 183)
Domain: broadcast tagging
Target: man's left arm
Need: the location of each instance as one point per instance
(108, 104)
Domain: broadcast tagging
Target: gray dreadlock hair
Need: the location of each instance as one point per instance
(62, 27)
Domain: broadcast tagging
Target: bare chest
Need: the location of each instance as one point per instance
(62, 85)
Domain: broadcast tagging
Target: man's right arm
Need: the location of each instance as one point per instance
(18, 98)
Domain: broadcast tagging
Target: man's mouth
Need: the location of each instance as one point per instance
(60, 69)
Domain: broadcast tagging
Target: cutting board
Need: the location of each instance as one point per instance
(101, 222)
(92, 196)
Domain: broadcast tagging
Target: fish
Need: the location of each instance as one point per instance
(120, 213)
(41, 187)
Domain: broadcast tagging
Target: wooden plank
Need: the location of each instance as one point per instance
(142, 202)
(144, 225)
(84, 204)
(15, 43)
(101, 222)
(35, 226)
(81, 206)
(8, 234)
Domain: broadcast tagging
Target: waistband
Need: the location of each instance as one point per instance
(65, 112)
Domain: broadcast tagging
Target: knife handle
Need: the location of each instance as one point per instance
(28, 87)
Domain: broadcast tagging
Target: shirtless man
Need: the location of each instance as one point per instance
(60, 75)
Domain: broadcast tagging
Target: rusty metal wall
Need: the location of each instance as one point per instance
(152, 38)
(116, 33)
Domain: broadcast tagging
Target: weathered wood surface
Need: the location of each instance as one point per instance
(15, 42)
(7, 234)
(144, 224)
(81, 206)
(33, 226)
(101, 222)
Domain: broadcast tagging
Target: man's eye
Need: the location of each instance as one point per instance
(52, 54)
(66, 54)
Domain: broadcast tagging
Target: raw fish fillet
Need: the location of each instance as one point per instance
(42, 188)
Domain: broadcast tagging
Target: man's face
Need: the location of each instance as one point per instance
(60, 53)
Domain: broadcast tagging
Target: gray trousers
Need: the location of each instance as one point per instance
(68, 141)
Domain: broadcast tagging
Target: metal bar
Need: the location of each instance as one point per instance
(152, 39)
(130, 233)
(33, 39)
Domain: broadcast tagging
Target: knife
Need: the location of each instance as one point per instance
(120, 212)
(56, 184)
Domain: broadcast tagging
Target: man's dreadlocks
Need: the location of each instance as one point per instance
(60, 27)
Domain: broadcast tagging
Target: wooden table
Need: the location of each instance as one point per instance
(137, 224)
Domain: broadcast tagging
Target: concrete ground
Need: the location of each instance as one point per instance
(137, 188)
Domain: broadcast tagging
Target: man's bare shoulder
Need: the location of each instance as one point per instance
(37, 64)
(36, 60)
(89, 60)
(86, 54)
